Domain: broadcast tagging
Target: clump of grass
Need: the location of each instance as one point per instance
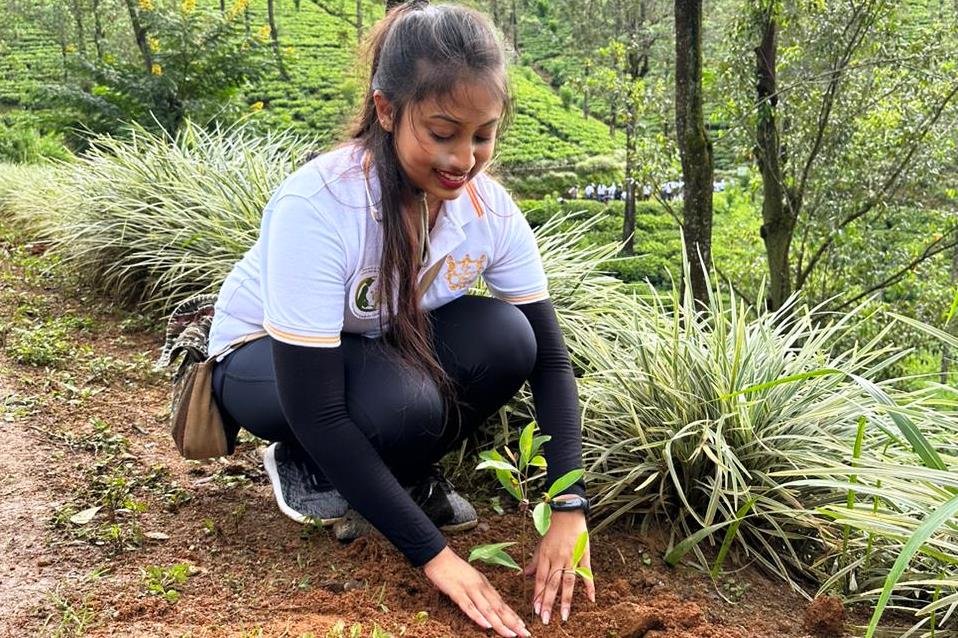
(151, 219)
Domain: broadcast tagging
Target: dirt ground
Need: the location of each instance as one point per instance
(199, 549)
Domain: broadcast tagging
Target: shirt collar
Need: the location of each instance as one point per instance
(454, 214)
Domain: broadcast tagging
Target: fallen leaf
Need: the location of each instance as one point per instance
(84, 517)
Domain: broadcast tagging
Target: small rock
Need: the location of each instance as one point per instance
(350, 585)
(483, 527)
(335, 586)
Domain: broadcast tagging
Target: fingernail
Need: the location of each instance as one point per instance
(536, 607)
(545, 617)
(512, 634)
(565, 614)
(525, 632)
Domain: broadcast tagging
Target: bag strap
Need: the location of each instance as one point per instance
(253, 336)
(428, 278)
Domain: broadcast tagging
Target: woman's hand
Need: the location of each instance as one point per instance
(474, 594)
(552, 556)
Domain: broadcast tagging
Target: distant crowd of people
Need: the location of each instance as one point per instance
(671, 189)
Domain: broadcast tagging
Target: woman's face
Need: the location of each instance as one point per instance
(442, 144)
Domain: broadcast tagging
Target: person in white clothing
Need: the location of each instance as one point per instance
(376, 361)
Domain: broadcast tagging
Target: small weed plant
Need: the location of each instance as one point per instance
(166, 582)
(517, 475)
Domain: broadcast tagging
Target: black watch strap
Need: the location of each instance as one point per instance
(569, 504)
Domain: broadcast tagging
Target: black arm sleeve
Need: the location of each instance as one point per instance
(311, 385)
(555, 395)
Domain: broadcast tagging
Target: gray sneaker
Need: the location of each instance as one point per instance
(441, 503)
(434, 494)
(297, 490)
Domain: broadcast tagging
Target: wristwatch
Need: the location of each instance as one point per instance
(567, 504)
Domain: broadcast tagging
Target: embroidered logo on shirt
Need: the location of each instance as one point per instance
(364, 295)
(462, 274)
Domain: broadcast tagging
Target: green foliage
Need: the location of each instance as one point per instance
(24, 141)
(198, 61)
(516, 476)
(156, 220)
(44, 342)
(166, 582)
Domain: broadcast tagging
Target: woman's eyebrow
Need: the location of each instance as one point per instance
(440, 116)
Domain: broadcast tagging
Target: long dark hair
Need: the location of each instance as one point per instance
(416, 52)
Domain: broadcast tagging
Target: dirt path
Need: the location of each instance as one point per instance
(193, 549)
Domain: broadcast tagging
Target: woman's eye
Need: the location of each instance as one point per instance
(483, 140)
(440, 138)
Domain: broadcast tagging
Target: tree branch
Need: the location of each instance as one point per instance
(930, 251)
(888, 188)
(336, 14)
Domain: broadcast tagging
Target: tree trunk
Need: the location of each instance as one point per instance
(223, 6)
(274, 38)
(628, 223)
(140, 34)
(694, 146)
(77, 11)
(246, 21)
(359, 21)
(952, 327)
(515, 27)
(97, 31)
(778, 223)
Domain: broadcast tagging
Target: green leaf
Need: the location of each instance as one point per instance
(490, 455)
(525, 445)
(509, 483)
(537, 442)
(542, 517)
(584, 572)
(538, 461)
(934, 520)
(673, 557)
(497, 465)
(579, 550)
(730, 536)
(493, 554)
(565, 481)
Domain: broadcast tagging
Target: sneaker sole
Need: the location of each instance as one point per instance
(269, 462)
(459, 527)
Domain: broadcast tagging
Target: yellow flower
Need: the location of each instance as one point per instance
(146, 5)
(187, 6)
(154, 43)
(157, 69)
(71, 48)
(256, 106)
(237, 8)
(263, 34)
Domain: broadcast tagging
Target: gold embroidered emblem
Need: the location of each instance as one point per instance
(462, 274)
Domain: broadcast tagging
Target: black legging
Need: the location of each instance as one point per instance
(486, 346)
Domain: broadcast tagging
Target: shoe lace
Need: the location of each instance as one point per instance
(433, 480)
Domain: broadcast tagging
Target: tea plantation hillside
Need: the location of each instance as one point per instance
(320, 54)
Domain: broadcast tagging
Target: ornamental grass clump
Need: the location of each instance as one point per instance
(738, 429)
(153, 219)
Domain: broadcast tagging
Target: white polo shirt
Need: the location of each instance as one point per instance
(313, 272)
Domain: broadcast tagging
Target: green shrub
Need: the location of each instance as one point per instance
(24, 144)
(199, 59)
